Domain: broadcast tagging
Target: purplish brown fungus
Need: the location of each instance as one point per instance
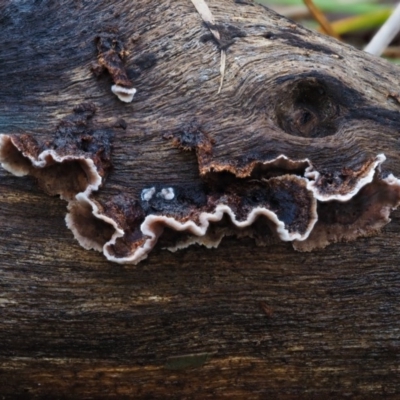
(75, 161)
(281, 196)
(72, 165)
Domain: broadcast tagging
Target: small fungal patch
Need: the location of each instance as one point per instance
(123, 93)
(111, 56)
(167, 193)
(147, 194)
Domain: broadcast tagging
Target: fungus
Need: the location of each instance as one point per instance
(123, 93)
(259, 197)
(72, 165)
(111, 54)
(362, 215)
(167, 193)
(78, 153)
(148, 193)
(284, 202)
(293, 148)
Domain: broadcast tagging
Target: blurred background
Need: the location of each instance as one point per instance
(352, 21)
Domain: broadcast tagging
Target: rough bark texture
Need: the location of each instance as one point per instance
(259, 322)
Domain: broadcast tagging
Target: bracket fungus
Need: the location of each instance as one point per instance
(281, 196)
(75, 161)
(298, 145)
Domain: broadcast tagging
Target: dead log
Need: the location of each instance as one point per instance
(123, 112)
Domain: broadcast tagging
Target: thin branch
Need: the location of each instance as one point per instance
(320, 17)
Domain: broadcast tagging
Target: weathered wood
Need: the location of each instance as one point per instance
(275, 323)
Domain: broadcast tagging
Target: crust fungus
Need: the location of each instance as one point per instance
(72, 165)
(281, 197)
(111, 54)
(75, 161)
(285, 151)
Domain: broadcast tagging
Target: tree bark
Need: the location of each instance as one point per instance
(238, 321)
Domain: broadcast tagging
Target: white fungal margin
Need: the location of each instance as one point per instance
(20, 163)
(153, 226)
(206, 241)
(123, 93)
(82, 199)
(11, 158)
(313, 176)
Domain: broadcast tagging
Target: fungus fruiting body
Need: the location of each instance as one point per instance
(281, 197)
(79, 154)
(111, 54)
(123, 93)
(293, 147)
